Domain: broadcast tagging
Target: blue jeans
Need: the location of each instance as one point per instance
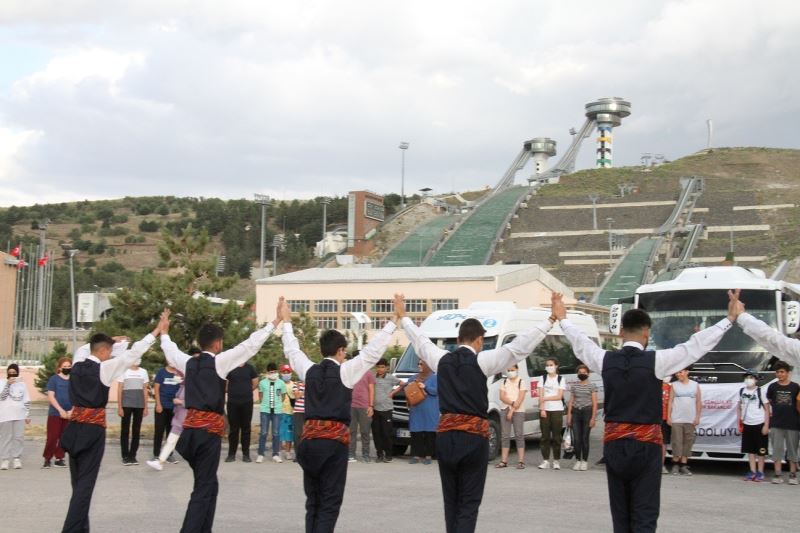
(268, 419)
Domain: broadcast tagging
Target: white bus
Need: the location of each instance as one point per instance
(503, 321)
(696, 299)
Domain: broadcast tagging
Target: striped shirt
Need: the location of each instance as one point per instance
(582, 394)
(299, 402)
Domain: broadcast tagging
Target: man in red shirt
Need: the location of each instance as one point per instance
(361, 415)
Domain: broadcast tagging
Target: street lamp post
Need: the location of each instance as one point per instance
(71, 252)
(403, 147)
(264, 201)
(610, 236)
(325, 201)
(277, 242)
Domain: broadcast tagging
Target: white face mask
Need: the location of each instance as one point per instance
(272, 376)
(512, 373)
(749, 383)
(550, 369)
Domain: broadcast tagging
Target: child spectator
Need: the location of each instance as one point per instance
(270, 394)
(382, 430)
(753, 415)
(685, 406)
(666, 430)
(287, 419)
(784, 421)
(165, 388)
(299, 416)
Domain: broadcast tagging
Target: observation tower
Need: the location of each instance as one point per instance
(606, 113)
(541, 149)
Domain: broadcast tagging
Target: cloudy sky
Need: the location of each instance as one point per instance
(102, 98)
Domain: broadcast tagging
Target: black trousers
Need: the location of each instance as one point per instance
(201, 450)
(580, 432)
(240, 421)
(130, 416)
(463, 459)
(85, 444)
(299, 420)
(423, 443)
(633, 469)
(382, 432)
(163, 425)
(324, 464)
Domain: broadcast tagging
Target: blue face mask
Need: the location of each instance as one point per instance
(286, 377)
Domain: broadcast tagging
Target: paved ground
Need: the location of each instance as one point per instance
(395, 497)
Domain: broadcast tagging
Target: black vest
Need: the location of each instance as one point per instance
(204, 389)
(326, 396)
(632, 390)
(85, 387)
(462, 384)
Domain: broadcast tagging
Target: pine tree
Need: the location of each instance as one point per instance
(48, 369)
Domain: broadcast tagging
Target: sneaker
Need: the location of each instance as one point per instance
(411, 461)
(60, 463)
(126, 462)
(387, 458)
(685, 470)
(277, 459)
(792, 479)
(577, 466)
(155, 464)
(676, 469)
(750, 476)
(556, 466)
(379, 457)
(245, 459)
(584, 466)
(133, 461)
(351, 459)
(230, 459)
(426, 461)
(172, 459)
(260, 459)
(544, 465)
(46, 463)
(777, 480)
(759, 477)
(366, 459)
(17, 463)
(4, 465)
(664, 469)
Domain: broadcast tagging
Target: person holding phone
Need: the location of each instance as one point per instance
(15, 404)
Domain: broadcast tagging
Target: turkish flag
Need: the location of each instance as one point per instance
(21, 264)
(15, 252)
(43, 261)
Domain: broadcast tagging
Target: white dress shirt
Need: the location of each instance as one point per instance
(223, 361)
(774, 341)
(667, 361)
(121, 358)
(351, 370)
(491, 361)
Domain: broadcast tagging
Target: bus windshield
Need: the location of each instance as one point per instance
(408, 363)
(677, 315)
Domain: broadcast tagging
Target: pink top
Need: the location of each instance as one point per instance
(361, 391)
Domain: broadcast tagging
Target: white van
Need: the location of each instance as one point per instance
(503, 321)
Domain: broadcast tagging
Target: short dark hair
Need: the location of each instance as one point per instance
(13, 366)
(549, 359)
(470, 329)
(208, 334)
(581, 367)
(636, 320)
(330, 341)
(382, 362)
(782, 365)
(100, 339)
(271, 367)
(194, 350)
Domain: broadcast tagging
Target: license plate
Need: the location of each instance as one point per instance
(403, 433)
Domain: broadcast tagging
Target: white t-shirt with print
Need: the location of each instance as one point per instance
(550, 386)
(752, 412)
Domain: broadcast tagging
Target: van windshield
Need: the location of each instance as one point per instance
(409, 361)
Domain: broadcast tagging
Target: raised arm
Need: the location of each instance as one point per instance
(426, 350)
(298, 360)
(242, 352)
(354, 369)
(584, 348)
(111, 369)
(495, 361)
(683, 355)
(774, 341)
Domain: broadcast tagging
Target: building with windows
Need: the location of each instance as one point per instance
(331, 295)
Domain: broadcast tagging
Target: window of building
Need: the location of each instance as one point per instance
(354, 306)
(326, 322)
(299, 306)
(326, 306)
(383, 306)
(416, 306)
(443, 304)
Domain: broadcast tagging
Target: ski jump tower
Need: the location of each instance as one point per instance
(606, 113)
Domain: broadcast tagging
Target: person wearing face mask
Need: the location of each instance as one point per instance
(58, 413)
(753, 415)
(15, 404)
(685, 406)
(270, 393)
(632, 378)
(551, 414)
(287, 420)
(512, 395)
(581, 414)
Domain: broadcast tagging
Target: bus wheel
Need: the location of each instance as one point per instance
(494, 436)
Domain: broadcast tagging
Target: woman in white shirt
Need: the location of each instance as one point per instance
(512, 396)
(14, 411)
(551, 414)
(685, 405)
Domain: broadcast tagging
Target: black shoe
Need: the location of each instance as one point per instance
(126, 461)
(46, 463)
(246, 458)
(387, 458)
(133, 461)
(230, 459)
(59, 463)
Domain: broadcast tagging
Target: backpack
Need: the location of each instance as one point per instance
(760, 401)
(560, 378)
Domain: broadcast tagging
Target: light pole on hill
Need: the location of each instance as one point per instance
(325, 201)
(610, 236)
(264, 201)
(403, 147)
(70, 252)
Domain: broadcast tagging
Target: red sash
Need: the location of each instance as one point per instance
(210, 421)
(625, 430)
(466, 423)
(326, 429)
(89, 415)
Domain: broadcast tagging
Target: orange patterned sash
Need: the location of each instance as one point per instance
(466, 423)
(642, 432)
(210, 421)
(326, 429)
(89, 415)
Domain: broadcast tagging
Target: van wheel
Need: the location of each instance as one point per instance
(399, 450)
(494, 436)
